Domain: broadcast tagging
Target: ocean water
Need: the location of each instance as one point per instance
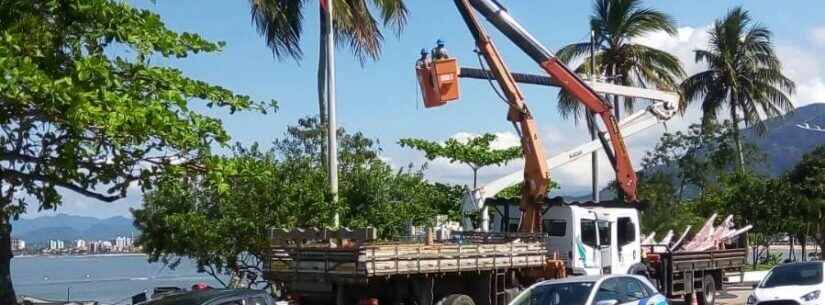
(107, 279)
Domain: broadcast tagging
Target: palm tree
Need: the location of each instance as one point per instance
(743, 75)
(614, 25)
(355, 24)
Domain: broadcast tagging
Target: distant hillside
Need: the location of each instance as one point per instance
(69, 227)
(784, 144)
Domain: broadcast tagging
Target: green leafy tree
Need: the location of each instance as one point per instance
(78, 115)
(357, 23)
(235, 202)
(683, 170)
(615, 24)
(475, 153)
(744, 76)
(809, 178)
(753, 200)
(696, 158)
(220, 217)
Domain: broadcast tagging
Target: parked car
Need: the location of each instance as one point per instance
(216, 297)
(791, 284)
(592, 290)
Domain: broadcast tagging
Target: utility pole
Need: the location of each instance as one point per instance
(332, 132)
(591, 122)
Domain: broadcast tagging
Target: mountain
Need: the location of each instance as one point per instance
(76, 223)
(783, 144)
(70, 227)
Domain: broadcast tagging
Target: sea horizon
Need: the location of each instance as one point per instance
(106, 278)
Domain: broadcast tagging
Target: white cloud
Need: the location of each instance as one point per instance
(817, 36)
(804, 65)
(680, 45)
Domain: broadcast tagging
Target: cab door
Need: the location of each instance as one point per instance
(627, 244)
(594, 245)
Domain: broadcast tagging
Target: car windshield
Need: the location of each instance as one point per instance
(556, 294)
(794, 275)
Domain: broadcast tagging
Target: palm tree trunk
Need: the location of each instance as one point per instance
(475, 178)
(322, 67)
(803, 240)
(740, 157)
(7, 295)
(616, 104)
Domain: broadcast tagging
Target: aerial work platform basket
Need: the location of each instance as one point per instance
(438, 80)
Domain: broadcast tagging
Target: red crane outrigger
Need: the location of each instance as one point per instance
(439, 83)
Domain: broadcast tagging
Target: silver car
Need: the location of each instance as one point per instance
(592, 290)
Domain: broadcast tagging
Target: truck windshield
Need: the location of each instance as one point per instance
(555, 294)
(801, 274)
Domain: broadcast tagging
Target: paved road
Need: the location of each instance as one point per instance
(734, 296)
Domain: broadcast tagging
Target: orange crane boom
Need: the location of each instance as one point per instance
(439, 83)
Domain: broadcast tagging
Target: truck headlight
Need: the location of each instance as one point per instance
(811, 296)
(751, 300)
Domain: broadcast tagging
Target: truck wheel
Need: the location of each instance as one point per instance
(456, 299)
(708, 294)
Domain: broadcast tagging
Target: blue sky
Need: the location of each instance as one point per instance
(380, 98)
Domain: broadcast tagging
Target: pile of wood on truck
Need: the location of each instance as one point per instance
(534, 239)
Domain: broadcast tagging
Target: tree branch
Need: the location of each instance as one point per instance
(69, 186)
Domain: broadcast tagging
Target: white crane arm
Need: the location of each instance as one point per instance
(664, 107)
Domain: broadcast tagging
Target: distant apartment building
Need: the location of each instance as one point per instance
(99, 246)
(56, 245)
(18, 245)
(123, 243)
(80, 244)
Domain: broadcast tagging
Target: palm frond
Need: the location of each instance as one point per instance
(643, 21)
(742, 66)
(394, 14)
(279, 21)
(356, 26)
(573, 51)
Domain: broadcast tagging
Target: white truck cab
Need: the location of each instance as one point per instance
(594, 239)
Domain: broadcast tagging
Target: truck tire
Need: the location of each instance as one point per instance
(456, 299)
(708, 294)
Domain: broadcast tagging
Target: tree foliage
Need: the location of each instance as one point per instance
(221, 217)
(83, 110)
(680, 172)
(744, 75)
(808, 177)
(475, 152)
(616, 23)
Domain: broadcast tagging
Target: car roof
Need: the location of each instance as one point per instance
(203, 296)
(802, 263)
(588, 278)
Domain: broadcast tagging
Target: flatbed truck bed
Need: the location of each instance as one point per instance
(488, 268)
(680, 274)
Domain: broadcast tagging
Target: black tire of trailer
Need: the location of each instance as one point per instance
(708, 294)
(456, 299)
